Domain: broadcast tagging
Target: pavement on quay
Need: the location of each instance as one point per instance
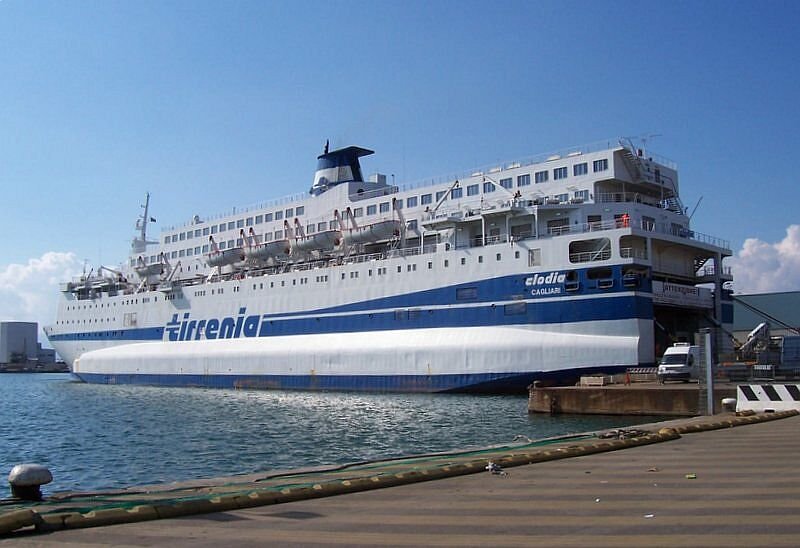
(734, 486)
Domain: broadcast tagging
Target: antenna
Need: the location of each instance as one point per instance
(644, 139)
(695, 207)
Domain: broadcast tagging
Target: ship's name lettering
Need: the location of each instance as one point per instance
(545, 279)
(229, 327)
(545, 284)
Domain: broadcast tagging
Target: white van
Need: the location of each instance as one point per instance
(681, 361)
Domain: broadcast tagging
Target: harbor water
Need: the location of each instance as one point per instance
(99, 437)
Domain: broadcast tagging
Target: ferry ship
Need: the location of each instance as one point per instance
(550, 268)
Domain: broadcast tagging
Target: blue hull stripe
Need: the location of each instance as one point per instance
(550, 312)
(475, 383)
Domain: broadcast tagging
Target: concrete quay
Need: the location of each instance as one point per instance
(733, 486)
(638, 398)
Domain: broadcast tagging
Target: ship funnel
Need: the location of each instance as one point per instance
(338, 166)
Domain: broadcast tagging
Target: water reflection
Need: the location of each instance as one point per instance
(112, 436)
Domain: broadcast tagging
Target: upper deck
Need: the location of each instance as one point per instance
(589, 189)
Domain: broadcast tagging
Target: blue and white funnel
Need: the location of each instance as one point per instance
(337, 166)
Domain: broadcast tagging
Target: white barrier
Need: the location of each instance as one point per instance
(767, 397)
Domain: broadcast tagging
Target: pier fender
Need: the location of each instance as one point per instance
(257, 498)
(175, 509)
(54, 521)
(731, 422)
(17, 519)
(110, 516)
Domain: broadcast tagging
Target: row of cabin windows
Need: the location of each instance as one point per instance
(559, 173)
(230, 244)
(109, 305)
(237, 224)
(353, 275)
(534, 260)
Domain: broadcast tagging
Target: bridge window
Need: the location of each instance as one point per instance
(600, 165)
(559, 173)
(411, 201)
(580, 169)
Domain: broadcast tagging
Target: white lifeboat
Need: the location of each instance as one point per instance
(374, 232)
(226, 256)
(321, 241)
(218, 257)
(275, 249)
(268, 250)
(153, 269)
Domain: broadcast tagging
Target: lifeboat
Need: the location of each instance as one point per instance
(153, 269)
(103, 283)
(219, 257)
(225, 257)
(268, 250)
(321, 241)
(383, 230)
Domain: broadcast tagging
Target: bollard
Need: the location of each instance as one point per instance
(729, 404)
(26, 480)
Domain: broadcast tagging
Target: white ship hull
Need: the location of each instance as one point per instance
(428, 360)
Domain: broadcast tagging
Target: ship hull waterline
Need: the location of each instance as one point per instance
(481, 360)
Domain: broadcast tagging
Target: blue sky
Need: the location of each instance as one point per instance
(210, 105)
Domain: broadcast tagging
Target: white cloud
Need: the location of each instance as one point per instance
(29, 292)
(761, 267)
